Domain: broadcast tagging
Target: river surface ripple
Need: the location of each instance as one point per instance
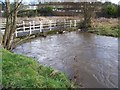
(89, 60)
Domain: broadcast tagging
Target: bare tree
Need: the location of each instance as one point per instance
(88, 10)
(11, 18)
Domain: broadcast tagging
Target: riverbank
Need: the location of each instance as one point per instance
(105, 31)
(106, 27)
(19, 71)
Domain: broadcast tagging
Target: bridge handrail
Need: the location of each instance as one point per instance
(33, 26)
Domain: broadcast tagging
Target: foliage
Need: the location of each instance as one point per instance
(109, 10)
(24, 13)
(118, 11)
(0, 65)
(46, 11)
(23, 72)
(51, 32)
(83, 25)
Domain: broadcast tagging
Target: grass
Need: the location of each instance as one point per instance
(59, 31)
(51, 32)
(107, 27)
(0, 66)
(106, 30)
(19, 71)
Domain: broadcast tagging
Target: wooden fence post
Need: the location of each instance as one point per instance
(70, 23)
(23, 25)
(41, 26)
(50, 25)
(16, 32)
(33, 25)
(55, 23)
(64, 23)
(30, 28)
(75, 23)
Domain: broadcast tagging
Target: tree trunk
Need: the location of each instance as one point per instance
(8, 24)
(13, 27)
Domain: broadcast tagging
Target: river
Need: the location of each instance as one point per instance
(90, 60)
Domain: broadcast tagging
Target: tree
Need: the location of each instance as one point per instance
(118, 10)
(88, 12)
(110, 10)
(11, 17)
(45, 11)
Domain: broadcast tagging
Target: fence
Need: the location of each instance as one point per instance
(33, 27)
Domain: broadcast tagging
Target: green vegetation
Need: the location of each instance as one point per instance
(60, 31)
(29, 13)
(46, 11)
(84, 25)
(51, 32)
(70, 29)
(109, 10)
(0, 65)
(24, 72)
(106, 30)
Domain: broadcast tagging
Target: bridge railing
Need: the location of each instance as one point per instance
(33, 27)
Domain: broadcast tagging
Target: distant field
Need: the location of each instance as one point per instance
(19, 20)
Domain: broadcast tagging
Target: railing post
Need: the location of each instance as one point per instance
(55, 23)
(23, 26)
(41, 25)
(16, 32)
(70, 23)
(75, 23)
(30, 28)
(33, 25)
(50, 25)
(64, 23)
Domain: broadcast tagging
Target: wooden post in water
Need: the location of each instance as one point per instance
(30, 28)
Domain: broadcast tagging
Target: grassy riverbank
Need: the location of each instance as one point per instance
(107, 27)
(106, 31)
(23, 72)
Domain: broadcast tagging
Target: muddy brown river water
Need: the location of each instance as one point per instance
(89, 60)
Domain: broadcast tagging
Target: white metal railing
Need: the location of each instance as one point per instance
(40, 26)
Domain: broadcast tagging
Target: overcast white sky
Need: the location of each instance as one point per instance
(115, 1)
